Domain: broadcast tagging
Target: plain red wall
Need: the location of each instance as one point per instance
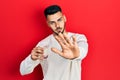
(22, 26)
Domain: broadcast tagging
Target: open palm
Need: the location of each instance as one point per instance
(69, 47)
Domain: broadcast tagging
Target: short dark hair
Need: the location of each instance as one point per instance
(52, 10)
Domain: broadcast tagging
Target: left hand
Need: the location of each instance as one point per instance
(70, 49)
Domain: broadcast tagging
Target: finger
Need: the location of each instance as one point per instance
(39, 51)
(61, 36)
(41, 57)
(39, 48)
(67, 38)
(62, 44)
(74, 40)
(35, 50)
(34, 56)
(57, 51)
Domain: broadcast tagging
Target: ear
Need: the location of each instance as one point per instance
(64, 18)
(47, 23)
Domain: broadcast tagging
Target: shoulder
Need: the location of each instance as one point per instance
(80, 37)
(45, 41)
(48, 37)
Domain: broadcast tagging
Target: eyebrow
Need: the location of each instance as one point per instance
(57, 19)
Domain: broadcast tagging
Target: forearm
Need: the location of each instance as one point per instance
(27, 66)
(83, 47)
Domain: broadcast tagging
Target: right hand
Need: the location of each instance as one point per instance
(37, 53)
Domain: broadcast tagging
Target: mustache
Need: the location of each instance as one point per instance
(58, 28)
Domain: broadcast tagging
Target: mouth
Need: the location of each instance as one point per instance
(59, 30)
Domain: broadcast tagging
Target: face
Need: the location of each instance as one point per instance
(56, 22)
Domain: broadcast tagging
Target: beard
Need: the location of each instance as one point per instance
(59, 30)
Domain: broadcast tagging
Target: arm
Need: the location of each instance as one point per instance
(71, 49)
(27, 65)
(83, 46)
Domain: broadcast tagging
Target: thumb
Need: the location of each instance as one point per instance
(57, 51)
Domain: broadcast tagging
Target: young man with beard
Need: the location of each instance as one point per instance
(61, 53)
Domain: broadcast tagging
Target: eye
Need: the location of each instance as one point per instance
(60, 19)
(51, 23)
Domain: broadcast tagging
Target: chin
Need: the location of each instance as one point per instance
(57, 32)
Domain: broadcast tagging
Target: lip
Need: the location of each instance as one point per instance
(58, 29)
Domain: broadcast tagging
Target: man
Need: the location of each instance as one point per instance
(61, 53)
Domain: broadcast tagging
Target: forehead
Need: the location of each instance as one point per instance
(55, 16)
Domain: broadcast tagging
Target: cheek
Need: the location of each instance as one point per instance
(62, 24)
(52, 27)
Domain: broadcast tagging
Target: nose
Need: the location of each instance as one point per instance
(57, 24)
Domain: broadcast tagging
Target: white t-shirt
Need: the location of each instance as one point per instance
(55, 67)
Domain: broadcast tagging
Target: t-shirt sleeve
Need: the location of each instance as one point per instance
(44, 42)
(83, 46)
(27, 65)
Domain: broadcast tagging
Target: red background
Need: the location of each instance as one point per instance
(22, 26)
